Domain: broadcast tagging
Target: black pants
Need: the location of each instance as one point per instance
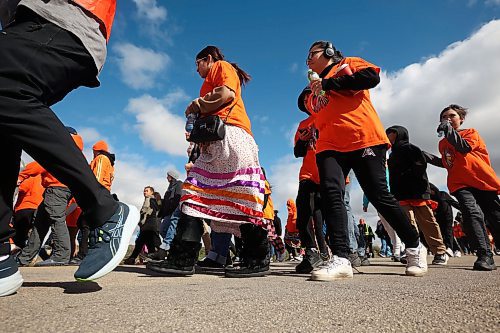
(23, 222)
(40, 64)
(369, 166)
(445, 222)
(472, 201)
(149, 238)
(309, 206)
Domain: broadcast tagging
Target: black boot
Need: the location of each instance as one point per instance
(157, 256)
(311, 260)
(184, 250)
(255, 253)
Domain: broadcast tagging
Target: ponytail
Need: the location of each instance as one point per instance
(217, 55)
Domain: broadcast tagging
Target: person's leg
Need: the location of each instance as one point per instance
(220, 247)
(304, 212)
(56, 201)
(184, 249)
(205, 238)
(396, 242)
(371, 173)
(172, 229)
(353, 243)
(164, 225)
(472, 221)
(490, 205)
(40, 228)
(429, 227)
(319, 225)
(11, 159)
(83, 248)
(23, 221)
(332, 176)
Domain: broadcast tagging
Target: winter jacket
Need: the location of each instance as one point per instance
(407, 168)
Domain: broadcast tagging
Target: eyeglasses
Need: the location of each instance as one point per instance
(312, 53)
(197, 61)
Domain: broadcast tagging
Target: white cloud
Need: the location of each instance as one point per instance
(294, 68)
(151, 11)
(139, 67)
(493, 2)
(466, 73)
(157, 124)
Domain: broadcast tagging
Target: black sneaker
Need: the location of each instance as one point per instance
(157, 256)
(108, 244)
(440, 259)
(169, 268)
(311, 260)
(10, 277)
(75, 261)
(354, 259)
(248, 270)
(208, 264)
(484, 263)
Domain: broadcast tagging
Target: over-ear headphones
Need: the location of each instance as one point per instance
(329, 51)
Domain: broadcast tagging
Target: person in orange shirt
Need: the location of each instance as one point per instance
(103, 164)
(352, 137)
(29, 197)
(292, 238)
(471, 179)
(309, 218)
(225, 184)
(50, 214)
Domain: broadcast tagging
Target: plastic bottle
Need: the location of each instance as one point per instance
(311, 76)
(190, 119)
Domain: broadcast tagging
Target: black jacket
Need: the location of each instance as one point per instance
(171, 199)
(407, 168)
(444, 212)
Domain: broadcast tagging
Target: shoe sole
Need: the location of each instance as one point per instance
(230, 274)
(128, 230)
(11, 284)
(416, 274)
(320, 277)
(170, 272)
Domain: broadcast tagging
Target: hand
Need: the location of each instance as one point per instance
(316, 86)
(193, 107)
(443, 127)
(188, 166)
(305, 134)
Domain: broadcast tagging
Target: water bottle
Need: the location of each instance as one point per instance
(311, 76)
(191, 118)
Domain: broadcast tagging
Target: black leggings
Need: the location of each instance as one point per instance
(369, 166)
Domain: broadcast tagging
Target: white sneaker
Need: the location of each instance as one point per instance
(449, 252)
(457, 254)
(336, 269)
(416, 261)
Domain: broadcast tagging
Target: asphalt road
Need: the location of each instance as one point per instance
(379, 299)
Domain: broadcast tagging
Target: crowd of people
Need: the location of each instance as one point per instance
(225, 194)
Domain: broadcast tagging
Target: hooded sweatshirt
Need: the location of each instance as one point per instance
(407, 168)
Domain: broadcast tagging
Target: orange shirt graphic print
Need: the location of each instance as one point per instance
(448, 157)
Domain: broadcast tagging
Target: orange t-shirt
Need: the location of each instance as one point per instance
(309, 169)
(472, 169)
(103, 170)
(221, 74)
(269, 210)
(347, 122)
(291, 222)
(30, 193)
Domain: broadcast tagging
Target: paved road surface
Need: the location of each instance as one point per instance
(380, 299)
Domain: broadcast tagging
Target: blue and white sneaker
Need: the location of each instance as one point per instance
(108, 244)
(10, 277)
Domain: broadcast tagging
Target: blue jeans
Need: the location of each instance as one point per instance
(351, 223)
(171, 228)
(220, 246)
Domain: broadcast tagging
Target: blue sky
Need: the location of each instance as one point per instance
(150, 76)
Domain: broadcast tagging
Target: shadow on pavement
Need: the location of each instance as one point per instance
(72, 287)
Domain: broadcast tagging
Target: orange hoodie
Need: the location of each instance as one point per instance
(291, 222)
(101, 166)
(30, 193)
(33, 169)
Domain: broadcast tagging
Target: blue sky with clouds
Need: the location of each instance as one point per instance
(432, 53)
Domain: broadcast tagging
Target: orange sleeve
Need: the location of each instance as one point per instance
(223, 74)
(33, 169)
(473, 139)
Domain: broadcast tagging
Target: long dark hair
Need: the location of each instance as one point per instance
(216, 54)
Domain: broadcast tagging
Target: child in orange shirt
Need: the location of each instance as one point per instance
(471, 179)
